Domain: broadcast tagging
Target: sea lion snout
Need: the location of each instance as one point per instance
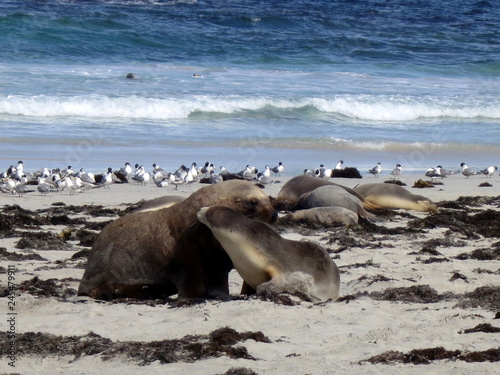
(216, 216)
(201, 215)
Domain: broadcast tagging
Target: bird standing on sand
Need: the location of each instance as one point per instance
(375, 171)
(489, 171)
(466, 171)
(396, 172)
(278, 169)
(107, 179)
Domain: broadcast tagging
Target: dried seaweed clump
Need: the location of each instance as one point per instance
(13, 256)
(485, 328)
(47, 288)
(240, 371)
(412, 294)
(492, 253)
(187, 349)
(486, 297)
(42, 241)
(426, 356)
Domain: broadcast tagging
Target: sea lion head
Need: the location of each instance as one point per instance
(246, 198)
(426, 205)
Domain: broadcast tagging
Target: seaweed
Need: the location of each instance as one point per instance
(428, 355)
(187, 349)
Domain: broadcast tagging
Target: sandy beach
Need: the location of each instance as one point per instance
(419, 293)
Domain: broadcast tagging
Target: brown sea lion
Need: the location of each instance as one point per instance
(293, 189)
(154, 254)
(267, 261)
(394, 196)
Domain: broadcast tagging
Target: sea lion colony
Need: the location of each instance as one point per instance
(164, 250)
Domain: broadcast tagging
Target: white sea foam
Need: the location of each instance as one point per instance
(369, 107)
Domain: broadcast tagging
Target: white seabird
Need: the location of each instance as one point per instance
(489, 171)
(466, 171)
(323, 172)
(279, 169)
(396, 172)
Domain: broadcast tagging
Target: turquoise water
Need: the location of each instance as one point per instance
(303, 82)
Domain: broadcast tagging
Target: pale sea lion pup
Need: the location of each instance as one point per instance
(325, 216)
(264, 259)
(334, 196)
(158, 253)
(395, 196)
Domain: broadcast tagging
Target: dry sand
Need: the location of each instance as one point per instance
(433, 311)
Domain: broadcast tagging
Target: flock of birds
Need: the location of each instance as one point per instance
(15, 181)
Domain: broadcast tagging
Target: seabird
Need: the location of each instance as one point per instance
(264, 180)
(176, 180)
(267, 171)
(107, 178)
(215, 178)
(396, 172)
(194, 170)
(43, 186)
(248, 174)
(323, 172)
(376, 169)
(68, 171)
(340, 165)
(466, 171)
(489, 171)
(73, 184)
(20, 189)
(278, 169)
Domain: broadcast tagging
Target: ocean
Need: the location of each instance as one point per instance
(250, 82)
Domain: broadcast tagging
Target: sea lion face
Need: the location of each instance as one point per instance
(427, 205)
(249, 200)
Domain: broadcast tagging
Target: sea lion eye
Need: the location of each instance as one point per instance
(252, 203)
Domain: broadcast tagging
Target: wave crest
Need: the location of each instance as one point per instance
(361, 107)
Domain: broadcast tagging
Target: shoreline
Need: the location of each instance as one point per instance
(306, 338)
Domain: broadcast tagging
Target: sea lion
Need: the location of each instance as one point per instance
(394, 196)
(155, 254)
(265, 260)
(159, 203)
(293, 189)
(334, 196)
(324, 216)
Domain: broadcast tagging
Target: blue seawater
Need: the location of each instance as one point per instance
(236, 82)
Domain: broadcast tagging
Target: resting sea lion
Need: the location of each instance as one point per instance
(394, 196)
(159, 203)
(154, 254)
(325, 216)
(293, 189)
(266, 260)
(331, 195)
